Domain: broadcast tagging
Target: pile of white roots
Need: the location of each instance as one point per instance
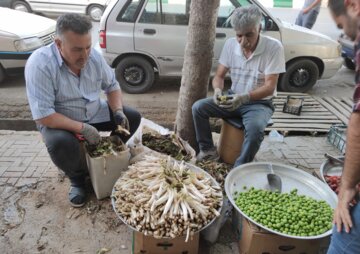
(164, 198)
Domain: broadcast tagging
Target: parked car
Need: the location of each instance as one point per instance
(347, 51)
(143, 39)
(93, 8)
(20, 34)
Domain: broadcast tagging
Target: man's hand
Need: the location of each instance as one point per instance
(90, 134)
(217, 94)
(121, 119)
(235, 101)
(342, 214)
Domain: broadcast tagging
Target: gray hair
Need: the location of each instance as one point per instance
(246, 17)
(76, 23)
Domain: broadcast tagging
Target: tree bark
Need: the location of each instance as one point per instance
(197, 64)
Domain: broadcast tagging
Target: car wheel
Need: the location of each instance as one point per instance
(21, 6)
(300, 76)
(135, 74)
(2, 74)
(95, 12)
(349, 64)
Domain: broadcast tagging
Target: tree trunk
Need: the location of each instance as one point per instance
(197, 64)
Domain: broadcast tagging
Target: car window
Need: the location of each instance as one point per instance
(166, 12)
(130, 11)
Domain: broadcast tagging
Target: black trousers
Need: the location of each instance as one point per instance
(64, 148)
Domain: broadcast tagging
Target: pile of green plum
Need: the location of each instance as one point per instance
(287, 213)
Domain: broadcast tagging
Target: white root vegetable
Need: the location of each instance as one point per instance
(164, 198)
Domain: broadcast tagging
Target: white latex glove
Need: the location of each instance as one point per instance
(235, 101)
(217, 94)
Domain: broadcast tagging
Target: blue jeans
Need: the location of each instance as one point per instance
(254, 115)
(307, 20)
(344, 243)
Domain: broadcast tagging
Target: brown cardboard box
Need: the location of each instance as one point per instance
(255, 240)
(149, 245)
(230, 142)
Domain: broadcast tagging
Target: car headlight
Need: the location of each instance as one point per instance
(28, 44)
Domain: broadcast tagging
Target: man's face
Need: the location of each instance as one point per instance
(347, 23)
(75, 49)
(248, 38)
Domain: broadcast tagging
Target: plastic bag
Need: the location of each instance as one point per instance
(135, 142)
(275, 136)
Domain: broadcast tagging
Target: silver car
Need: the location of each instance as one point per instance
(20, 34)
(93, 8)
(143, 39)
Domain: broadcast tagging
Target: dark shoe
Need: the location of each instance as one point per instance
(77, 196)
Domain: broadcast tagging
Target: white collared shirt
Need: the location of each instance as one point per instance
(248, 74)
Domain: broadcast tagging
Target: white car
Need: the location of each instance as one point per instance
(93, 8)
(145, 38)
(20, 34)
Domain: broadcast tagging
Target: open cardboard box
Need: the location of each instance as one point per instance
(255, 240)
(149, 245)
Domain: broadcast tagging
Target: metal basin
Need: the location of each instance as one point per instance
(255, 175)
(331, 168)
(193, 168)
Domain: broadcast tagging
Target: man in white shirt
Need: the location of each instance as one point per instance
(255, 62)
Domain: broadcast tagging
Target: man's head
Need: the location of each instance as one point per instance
(346, 15)
(246, 22)
(73, 39)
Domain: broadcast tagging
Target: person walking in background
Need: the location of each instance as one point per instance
(308, 14)
(346, 15)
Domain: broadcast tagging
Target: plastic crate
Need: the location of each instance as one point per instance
(337, 136)
(293, 105)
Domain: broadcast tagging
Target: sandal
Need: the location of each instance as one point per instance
(77, 196)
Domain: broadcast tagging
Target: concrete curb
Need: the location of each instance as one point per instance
(17, 124)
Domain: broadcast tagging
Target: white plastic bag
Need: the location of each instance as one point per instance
(135, 142)
(275, 136)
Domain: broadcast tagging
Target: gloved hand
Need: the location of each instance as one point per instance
(217, 94)
(90, 134)
(121, 119)
(235, 101)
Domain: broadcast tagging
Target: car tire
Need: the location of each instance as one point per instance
(349, 64)
(135, 74)
(2, 74)
(95, 11)
(300, 76)
(21, 6)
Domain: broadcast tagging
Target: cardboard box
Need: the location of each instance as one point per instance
(104, 171)
(149, 245)
(230, 142)
(255, 240)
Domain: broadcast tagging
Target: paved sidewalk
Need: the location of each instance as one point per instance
(24, 159)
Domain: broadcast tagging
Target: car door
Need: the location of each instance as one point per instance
(160, 31)
(64, 6)
(39, 5)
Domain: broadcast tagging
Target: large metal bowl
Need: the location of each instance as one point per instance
(193, 168)
(255, 175)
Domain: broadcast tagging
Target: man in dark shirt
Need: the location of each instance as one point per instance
(346, 15)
